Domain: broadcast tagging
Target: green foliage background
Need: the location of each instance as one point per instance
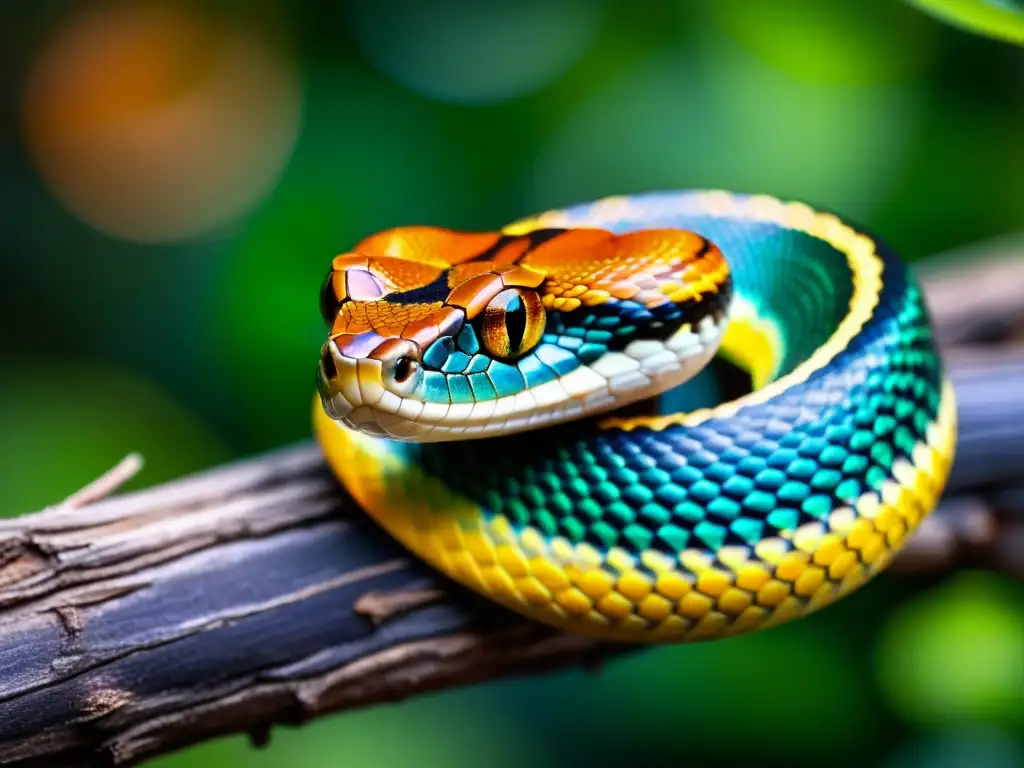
(198, 348)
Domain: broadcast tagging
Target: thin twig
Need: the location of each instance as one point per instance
(106, 484)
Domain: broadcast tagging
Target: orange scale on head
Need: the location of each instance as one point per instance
(403, 275)
(354, 314)
(511, 252)
(343, 261)
(436, 246)
(342, 328)
(406, 275)
(475, 293)
(521, 277)
(422, 331)
(411, 312)
(597, 264)
(463, 272)
(441, 321)
(384, 317)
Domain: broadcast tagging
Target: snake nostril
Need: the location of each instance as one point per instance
(401, 365)
(405, 369)
(330, 368)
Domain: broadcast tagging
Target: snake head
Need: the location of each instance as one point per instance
(442, 335)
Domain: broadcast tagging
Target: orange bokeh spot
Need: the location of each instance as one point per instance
(154, 124)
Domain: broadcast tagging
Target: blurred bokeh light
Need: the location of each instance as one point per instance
(176, 176)
(424, 734)
(957, 654)
(835, 43)
(960, 747)
(475, 51)
(155, 123)
(712, 115)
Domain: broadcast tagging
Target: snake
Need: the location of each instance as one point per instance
(507, 406)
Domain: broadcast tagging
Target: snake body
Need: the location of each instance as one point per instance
(469, 386)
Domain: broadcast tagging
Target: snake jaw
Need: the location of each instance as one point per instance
(362, 393)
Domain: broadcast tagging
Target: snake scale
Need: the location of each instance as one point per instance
(502, 404)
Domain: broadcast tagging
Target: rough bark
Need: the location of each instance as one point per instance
(258, 594)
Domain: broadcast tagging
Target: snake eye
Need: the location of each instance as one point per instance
(513, 323)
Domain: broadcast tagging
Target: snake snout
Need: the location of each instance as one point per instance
(332, 374)
(353, 382)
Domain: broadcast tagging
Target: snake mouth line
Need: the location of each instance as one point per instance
(361, 396)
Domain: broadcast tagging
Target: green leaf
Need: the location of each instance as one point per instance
(999, 19)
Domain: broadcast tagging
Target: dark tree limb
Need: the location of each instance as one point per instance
(251, 595)
(258, 594)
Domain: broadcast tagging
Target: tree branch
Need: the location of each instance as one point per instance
(257, 593)
(251, 595)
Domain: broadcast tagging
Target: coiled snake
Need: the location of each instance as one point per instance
(469, 386)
